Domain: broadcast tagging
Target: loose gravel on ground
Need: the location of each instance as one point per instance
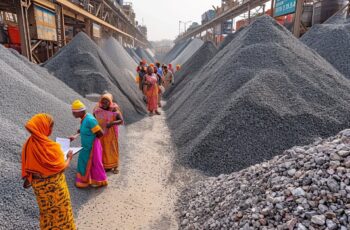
(304, 188)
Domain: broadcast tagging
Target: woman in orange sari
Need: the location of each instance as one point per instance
(109, 117)
(151, 91)
(43, 164)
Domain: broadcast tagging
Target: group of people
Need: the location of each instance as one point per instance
(43, 161)
(153, 81)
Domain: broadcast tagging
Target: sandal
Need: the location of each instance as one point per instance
(115, 171)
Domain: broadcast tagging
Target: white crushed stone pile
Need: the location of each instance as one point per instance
(119, 56)
(87, 69)
(189, 69)
(175, 51)
(187, 53)
(331, 41)
(263, 93)
(27, 89)
(304, 188)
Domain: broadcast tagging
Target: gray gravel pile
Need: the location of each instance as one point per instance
(133, 54)
(175, 51)
(189, 69)
(87, 69)
(304, 188)
(331, 41)
(119, 56)
(263, 93)
(27, 89)
(144, 55)
(187, 53)
(229, 38)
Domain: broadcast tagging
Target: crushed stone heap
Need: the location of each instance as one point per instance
(190, 68)
(119, 56)
(27, 89)
(175, 51)
(304, 188)
(263, 93)
(187, 52)
(331, 41)
(87, 69)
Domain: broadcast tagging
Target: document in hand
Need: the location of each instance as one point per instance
(65, 146)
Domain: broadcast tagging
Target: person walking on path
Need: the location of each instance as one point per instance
(43, 165)
(151, 91)
(141, 71)
(168, 78)
(90, 168)
(109, 117)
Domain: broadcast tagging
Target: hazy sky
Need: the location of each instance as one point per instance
(162, 16)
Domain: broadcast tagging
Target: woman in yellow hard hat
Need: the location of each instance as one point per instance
(90, 168)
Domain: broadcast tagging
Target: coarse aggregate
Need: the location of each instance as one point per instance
(306, 187)
(229, 38)
(189, 69)
(331, 41)
(27, 89)
(87, 69)
(133, 54)
(187, 53)
(263, 93)
(175, 51)
(144, 55)
(119, 56)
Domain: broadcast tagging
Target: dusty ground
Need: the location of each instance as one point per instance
(143, 195)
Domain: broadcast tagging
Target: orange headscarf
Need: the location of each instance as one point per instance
(40, 154)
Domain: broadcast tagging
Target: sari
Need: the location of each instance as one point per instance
(42, 166)
(90, 169)
(109, 141)
(151, 92)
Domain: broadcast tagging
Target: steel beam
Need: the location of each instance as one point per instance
(234, 12)
(23, 24)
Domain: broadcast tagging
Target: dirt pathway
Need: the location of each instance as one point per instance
(141, 196)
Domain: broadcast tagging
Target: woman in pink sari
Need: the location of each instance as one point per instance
(151, 91)
(109, 117)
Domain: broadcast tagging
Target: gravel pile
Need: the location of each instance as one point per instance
(144, 55)
(87, 69)
(304, 188)
(27, 89)
(229, 38)
(133, 54)
(187, 53)
(263, 93)
(175, 51)
(119, 56)
(331, 41)
(199, 59)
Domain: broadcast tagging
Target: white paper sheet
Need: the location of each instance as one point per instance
(65, 146)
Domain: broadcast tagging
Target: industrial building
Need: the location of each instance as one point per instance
(39, 28)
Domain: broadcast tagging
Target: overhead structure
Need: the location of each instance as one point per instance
(47, 25)
(234, 9)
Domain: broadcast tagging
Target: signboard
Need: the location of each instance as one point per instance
(284, 7)
(96, 30)
(44, 24)
(227, 27)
